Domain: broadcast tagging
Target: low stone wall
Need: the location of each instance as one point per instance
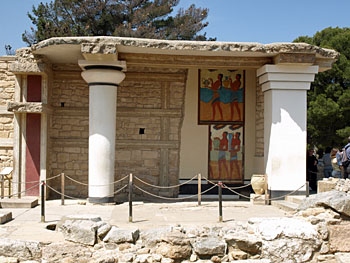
(329, 184)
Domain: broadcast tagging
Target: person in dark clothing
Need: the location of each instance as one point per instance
(327, 163)
(311, 167)
(346, 169)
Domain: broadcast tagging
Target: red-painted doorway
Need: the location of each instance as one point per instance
(33, 134)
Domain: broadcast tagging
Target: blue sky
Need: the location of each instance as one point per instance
(263, 21)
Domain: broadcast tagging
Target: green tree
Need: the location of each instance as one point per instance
(328, 112)
(124, 18)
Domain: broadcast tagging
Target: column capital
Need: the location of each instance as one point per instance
(290, 77)
(103, 72)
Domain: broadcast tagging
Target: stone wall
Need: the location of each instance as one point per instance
(150, 108)
(7, 88)
(69, 129)
(149, 118)
(7, 84)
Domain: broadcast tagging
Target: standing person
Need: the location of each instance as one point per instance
(336, 173)
(346, 151)
(327, 164)
(311, 166)
(339, 158)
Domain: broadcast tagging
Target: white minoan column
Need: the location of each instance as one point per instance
(285, 88)
(103, 81)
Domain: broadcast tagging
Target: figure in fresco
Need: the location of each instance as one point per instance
(235, 85)
(216, 87)
(223, 91)
(235, 147)
(211, 173)
(223, 148)
(225, 152)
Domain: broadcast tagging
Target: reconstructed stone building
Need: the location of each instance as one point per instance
(100, 108)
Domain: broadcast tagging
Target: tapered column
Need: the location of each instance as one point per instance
(285, 88)
(103, 81)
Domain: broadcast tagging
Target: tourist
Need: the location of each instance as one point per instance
(336, 173)
(327, 164)
(346, 169)
(311, 165)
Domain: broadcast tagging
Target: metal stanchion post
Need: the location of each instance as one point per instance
(62, 188)
(2, 181)
(220, 201)
(307, 189)
(130, 198)
(267, 197)
(43, 201)
(199, 189)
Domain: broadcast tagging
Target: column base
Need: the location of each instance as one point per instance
(101, 200)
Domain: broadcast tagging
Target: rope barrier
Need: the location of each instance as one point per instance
(269, 199)
(232, 189)
(37, 181)
(238, 187)
(164, 187)
(283, 196)
(30, 188)
(115, 182)
(131, 185)
(74, 198)
(173, 198)
(50, 178)
(21, 183)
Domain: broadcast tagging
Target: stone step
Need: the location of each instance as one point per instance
(5, 217)
(290, 202)
(285, 205)
(295, 198)
(24, 202)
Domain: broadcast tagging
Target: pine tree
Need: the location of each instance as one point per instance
(124, 18)
(328, 112)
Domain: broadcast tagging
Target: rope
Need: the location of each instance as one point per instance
(37, 181)
(23, 191)
(75, 181)
(271, 199)
(233, 191)
(115, 192)
(165, 187)
(47, 179)
(283, 196)
(173, 198)
(57, 192)
(31, 182)
(115, 182)
(238, 187)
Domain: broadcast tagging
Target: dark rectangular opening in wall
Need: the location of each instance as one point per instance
(34, 88)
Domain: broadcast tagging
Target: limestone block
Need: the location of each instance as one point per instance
(339, 238)
(326, 185)
(5, 217)
(117, 235)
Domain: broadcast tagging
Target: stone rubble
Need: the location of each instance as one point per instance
(317, 232)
